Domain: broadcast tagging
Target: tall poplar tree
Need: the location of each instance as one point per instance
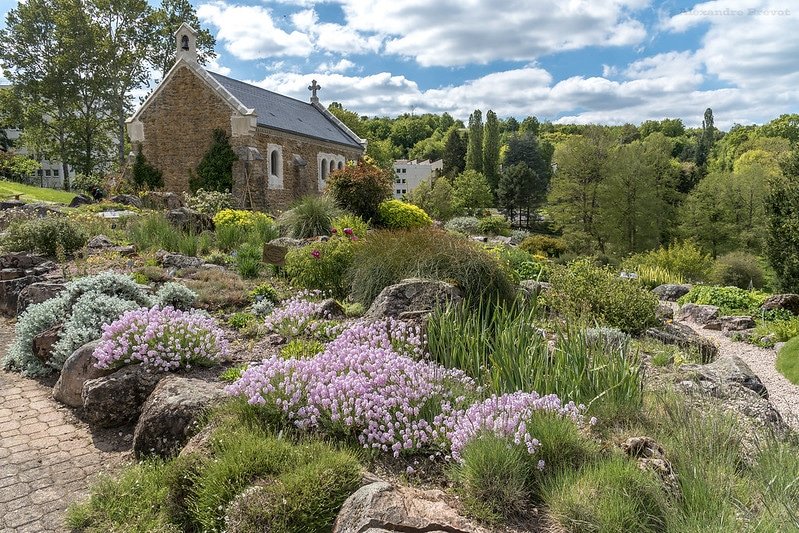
(454, 157)
(474, 147)
(491, 146)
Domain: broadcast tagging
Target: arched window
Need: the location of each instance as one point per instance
(340, 165)
(184, 42)
(332, 165)
(275, 166)
(324, 169)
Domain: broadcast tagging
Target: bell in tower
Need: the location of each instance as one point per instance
(186, 41)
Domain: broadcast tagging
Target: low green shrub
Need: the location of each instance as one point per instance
(465, 225)
(684, 259)
(387, 257)
(788, 360)
(176, 295)
(494, 225)
(237, 226)
(310, 217)
(608, 496)
(264, 291)
(229, 375)
(240, 320)
(582, 290)
(396, 214)
(731, 300)
(322, 265)
(351, 222)
(248, 260)
(738, 269)
(518, 262)
(50, 236)
(544, 244)
(779, 330)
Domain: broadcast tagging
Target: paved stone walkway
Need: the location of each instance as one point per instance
(48, 458)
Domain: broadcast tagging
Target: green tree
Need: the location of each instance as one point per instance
(431, 148)
(705, 214)
(145, 176)
(474, 147)
(782, 209)
(350, 119)
(521, 189)
(437, 200)
(471, 191)
(491, 150)
(382, 153)
(454, 156)
(215, 171)
(408, 130)
(574, 191)
(706, 140)
(786, 126)
(167, 19)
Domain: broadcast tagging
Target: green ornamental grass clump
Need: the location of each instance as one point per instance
(583, 290)
(396, 214)
(388, 257)
(683, 259)
(310, 217)
(50, 236)
(248, 260)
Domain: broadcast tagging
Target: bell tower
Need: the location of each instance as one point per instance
(186, 43)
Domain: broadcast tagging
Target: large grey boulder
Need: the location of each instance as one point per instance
(413, 296)
(789, 302)
(671, 292)
(684, 337)
(169, 415)
(162, 201)
(189, 220)
(701, 314)
(9, 293)
(37, 293)
(534, 288)
(127, 199)
(116, 399)
(42, 345)
(77, 370)
(170, 260)
(731, 323)
(728, 369)
(382, 507)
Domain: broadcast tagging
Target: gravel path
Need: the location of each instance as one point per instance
(783, 394)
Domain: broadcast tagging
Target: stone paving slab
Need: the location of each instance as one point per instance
(48, 457)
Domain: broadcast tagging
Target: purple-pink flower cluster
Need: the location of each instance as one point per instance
(372, 383)
(160, 338)
(505, 416)
(296, 315)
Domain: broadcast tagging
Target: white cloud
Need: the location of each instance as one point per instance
(341, 66)
(214, 65)
(455, 32)
(335, 38)
(249, 32)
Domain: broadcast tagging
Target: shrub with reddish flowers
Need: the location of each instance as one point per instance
(323, 265)
(370, 384)
(161, 338)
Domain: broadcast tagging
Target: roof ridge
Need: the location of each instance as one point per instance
(259, 88)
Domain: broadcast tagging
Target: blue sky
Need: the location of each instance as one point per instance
(606, 61)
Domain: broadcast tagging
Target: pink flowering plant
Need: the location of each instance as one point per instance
(372, 384)
(161, 339)
(302, 315)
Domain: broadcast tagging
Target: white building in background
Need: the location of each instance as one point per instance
(51, 173)
(408, 174)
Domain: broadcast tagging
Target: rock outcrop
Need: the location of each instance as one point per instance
(701, 314)
(789, 302)
(116, 399)
(412, 297)
(77, 370)
(671, 292)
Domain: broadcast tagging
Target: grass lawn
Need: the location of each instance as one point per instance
(788, 360)
(29, 193)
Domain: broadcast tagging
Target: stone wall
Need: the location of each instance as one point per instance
(178, 126)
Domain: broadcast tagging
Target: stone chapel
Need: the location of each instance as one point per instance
(286, 147)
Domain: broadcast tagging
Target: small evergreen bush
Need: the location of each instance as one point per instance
(583, 290)
(311, 217)
(176, 295)
(48, 236)
(360, 188)
(396, 214)
(322, 266)
(144, 175)
(544, 244)
(494, 225)
(738, 269)
(215, 171)
(264, 291)
(465, 225)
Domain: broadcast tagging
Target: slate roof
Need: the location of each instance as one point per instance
(286, 114)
